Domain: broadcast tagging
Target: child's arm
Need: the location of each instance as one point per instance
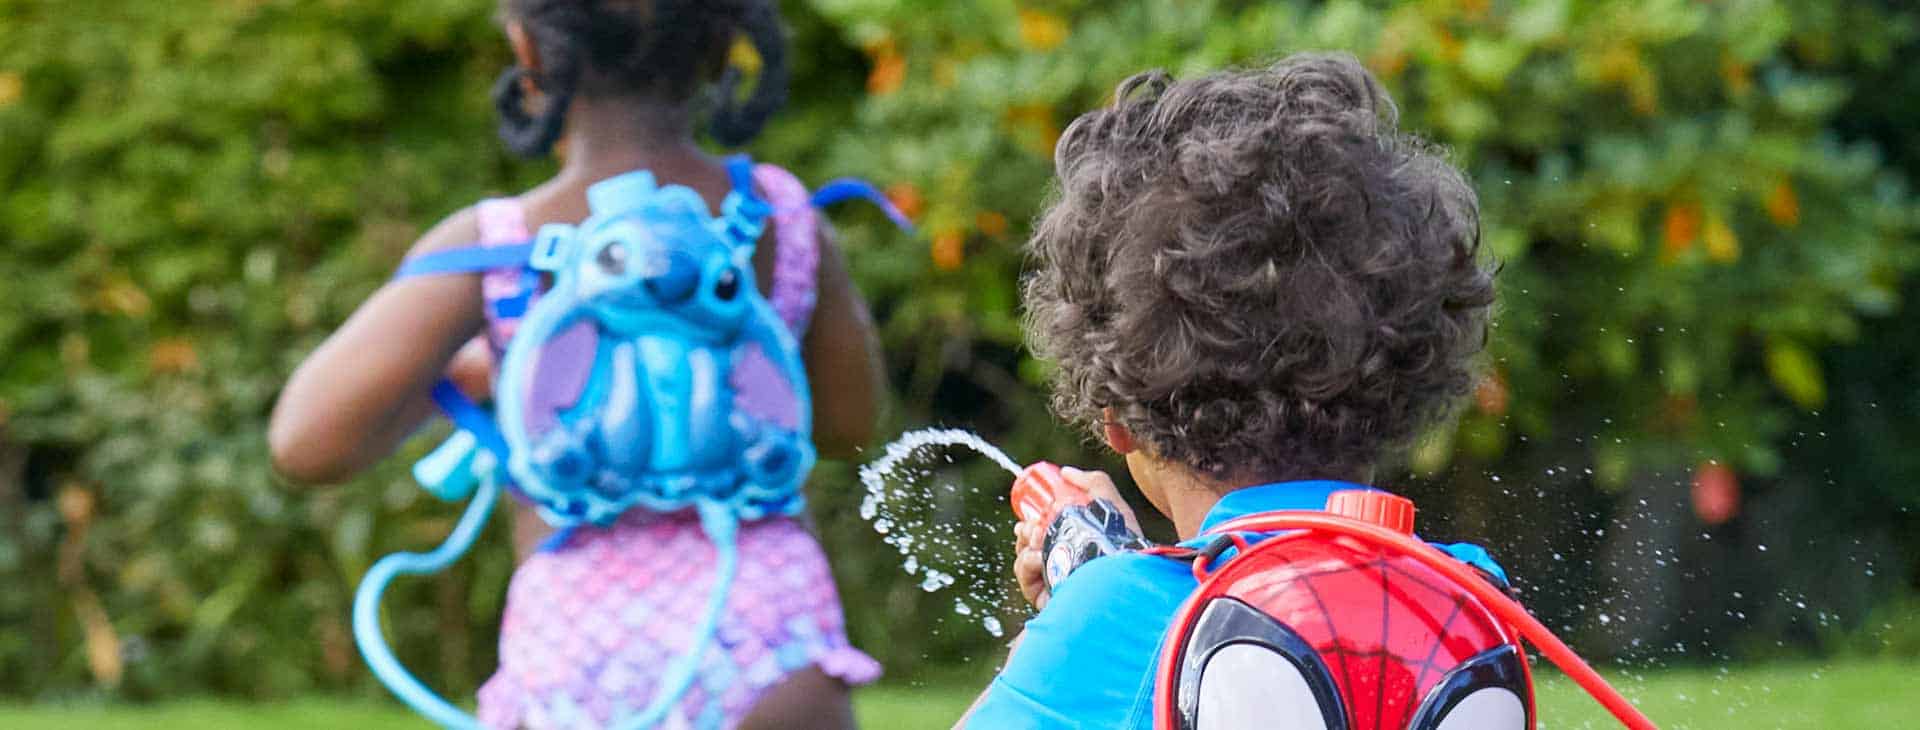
(843, 361)
(364, 390)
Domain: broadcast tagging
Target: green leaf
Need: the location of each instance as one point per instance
(1796, 373)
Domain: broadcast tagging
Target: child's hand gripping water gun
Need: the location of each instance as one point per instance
(1072, 525)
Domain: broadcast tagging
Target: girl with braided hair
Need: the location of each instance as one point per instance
(596, 614)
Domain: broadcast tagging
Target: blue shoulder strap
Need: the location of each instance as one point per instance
(848, 188)
(740, 170)
(464, 260)
(470, 417)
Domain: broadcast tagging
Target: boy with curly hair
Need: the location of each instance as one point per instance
(1259, 290)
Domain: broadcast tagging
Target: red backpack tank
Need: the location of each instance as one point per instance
(1305, 631)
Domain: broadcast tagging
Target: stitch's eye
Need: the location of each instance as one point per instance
(612, 259)
(727, 286)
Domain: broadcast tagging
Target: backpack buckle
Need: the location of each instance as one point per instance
(552, 247)
(1213, 551)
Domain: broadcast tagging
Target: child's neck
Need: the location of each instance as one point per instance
(1176, 491)
(605, 137)
(1187, 508)
(1185, 497)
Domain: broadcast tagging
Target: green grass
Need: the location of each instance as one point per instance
(1866, 695)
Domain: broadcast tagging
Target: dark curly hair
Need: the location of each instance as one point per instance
(666, 48)
(1258, 272)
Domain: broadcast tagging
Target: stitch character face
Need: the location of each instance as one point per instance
(1338, 635)
(620, 388)
(635, 282)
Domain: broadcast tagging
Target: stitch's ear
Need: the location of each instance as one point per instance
(553, 246)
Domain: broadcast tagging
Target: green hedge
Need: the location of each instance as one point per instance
(196, 191)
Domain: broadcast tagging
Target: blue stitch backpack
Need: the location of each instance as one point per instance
(614, 394)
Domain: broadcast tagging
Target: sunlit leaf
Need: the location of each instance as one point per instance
(1796, 373)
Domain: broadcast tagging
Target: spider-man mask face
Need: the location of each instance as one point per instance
(1335, 635)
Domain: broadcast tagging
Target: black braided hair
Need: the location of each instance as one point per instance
(662, 48)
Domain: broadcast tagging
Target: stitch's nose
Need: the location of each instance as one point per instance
(676, 279)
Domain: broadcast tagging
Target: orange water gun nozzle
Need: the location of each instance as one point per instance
(1041, 491)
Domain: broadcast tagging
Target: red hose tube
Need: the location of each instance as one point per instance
(1502, 606)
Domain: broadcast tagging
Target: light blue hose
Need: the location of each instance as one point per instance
(366, 610)
(716, 519)
(722, 528)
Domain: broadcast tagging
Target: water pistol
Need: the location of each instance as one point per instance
(1077, 526)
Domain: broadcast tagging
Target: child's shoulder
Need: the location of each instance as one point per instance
(1126, 584)
(460, 228)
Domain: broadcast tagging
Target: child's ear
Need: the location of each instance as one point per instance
(525, 53)
(1118, 437)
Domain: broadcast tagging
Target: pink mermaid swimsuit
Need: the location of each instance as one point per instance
(592, 620)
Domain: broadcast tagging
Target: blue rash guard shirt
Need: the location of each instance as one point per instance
(1088, 659)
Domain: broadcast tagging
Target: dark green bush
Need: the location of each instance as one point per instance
(196, 191)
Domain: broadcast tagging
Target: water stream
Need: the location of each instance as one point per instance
(917, 496)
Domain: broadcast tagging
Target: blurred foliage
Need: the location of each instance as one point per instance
(1696, 223)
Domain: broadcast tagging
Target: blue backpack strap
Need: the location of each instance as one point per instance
(740, 170)
(848, 188)
(743, 215)
(1476, 557)
(470, 417)
(466, 259)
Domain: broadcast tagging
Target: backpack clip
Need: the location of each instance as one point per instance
(1205, 556)
(552, 247)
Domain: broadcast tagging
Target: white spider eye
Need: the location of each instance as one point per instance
(1250, 687)
(1488, 708)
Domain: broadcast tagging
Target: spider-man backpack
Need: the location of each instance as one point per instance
(1337, 620)
(1302, 631)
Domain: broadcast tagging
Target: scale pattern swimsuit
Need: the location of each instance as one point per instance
(592, 621)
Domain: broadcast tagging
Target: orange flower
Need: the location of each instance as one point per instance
(1491, 395)
(1448, 45)
(1041, 31)
(1783, 204)
(1387, 63)
(906, 197)
(889, 69)
(173, 355)
(949, 250)
(991, 223)
(1681, 230)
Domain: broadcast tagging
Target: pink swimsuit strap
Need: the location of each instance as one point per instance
(507, 292)
(796, 233)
